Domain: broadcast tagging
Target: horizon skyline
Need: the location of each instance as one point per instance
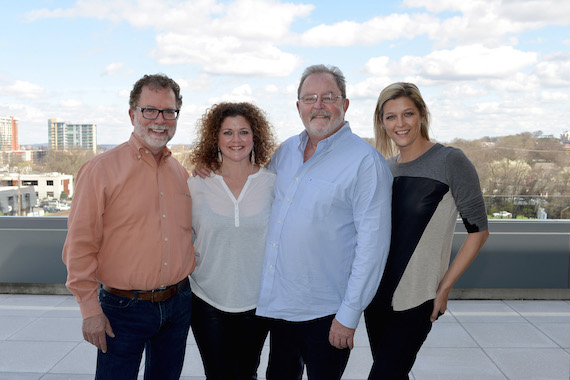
(485, 67)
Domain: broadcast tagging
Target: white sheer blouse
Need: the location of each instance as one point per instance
(230, 239)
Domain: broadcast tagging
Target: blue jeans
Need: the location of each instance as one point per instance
(160, 329)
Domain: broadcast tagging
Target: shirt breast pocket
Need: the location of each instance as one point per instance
(319, 197)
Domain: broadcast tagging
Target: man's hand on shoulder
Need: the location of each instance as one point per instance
(95, 330)
(341, 336)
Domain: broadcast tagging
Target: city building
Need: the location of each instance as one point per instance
(14, 197)
(8, 134)
(46, 185)
(28, 155)
(63, 135)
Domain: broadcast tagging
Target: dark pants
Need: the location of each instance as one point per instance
(395, 339)
(293, 344)
(230, 343)
(160, 329)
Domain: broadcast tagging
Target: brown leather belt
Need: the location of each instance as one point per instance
(155, 295)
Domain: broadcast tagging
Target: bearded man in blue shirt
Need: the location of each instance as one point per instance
(328, 235)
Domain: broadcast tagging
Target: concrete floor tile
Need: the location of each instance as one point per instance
(11, 325)
(81, 360)
(20, 376)
(52, 330)
(454, 364)
(361, 336)
(29, 305)
(484, 311)
(67, 309)
(448, 317)
(448, 335)
(452, 350)
(359, 364)
(558, 332)
(18, 356)
(542, 311)
(508, 335)
(192, 362)
(532, 364)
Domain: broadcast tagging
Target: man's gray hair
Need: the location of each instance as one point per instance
(318, 69)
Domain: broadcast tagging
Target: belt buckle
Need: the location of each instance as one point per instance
(157, 291)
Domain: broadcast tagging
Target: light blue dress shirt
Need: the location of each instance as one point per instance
(329, 230)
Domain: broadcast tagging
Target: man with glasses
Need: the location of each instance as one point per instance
(128, 250)
(328, 234)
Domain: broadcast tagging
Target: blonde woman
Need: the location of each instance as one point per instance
(432, 183)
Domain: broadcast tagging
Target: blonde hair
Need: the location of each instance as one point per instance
(394, 91)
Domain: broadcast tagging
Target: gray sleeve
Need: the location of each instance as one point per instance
(466, 190)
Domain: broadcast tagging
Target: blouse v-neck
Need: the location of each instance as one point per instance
(231, 195)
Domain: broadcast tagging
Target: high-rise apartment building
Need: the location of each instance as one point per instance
(65, 136)
(8, 134)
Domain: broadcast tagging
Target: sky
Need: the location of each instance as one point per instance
(484, 67)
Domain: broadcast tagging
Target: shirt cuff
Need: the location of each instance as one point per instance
(348, 317)
(90, 308)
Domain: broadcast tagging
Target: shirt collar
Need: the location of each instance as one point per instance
(325, 143)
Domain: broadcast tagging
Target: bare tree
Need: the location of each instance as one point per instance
(508, 176)
(66, 161)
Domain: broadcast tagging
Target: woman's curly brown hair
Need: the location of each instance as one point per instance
(205, 149)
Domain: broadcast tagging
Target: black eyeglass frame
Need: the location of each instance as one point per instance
(176, 112)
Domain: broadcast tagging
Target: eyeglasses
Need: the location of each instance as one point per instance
(328, 98)
(152, 113)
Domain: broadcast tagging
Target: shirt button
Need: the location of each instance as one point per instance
(278, 222)
(271, 267)
(165, 264)
(275, 244)
(288, 200)
(165, 239)
(164, 215)
(146, 151)
(139, 156)
(161, 193)
(296, 178)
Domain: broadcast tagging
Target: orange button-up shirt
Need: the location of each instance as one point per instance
(130, 225)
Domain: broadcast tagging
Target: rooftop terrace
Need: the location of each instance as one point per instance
(40, 338)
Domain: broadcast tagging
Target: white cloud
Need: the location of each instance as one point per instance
(368, 88)
(70, 103)
(201, 83)
(463, 62)
(554, 96)
(241, 93)
(463, 90)
(240, 37)
(225, 55)
(112, 68)
(554, 70)
(377, 29)
(23, 89)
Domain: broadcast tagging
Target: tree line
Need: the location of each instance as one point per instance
(518, 173)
